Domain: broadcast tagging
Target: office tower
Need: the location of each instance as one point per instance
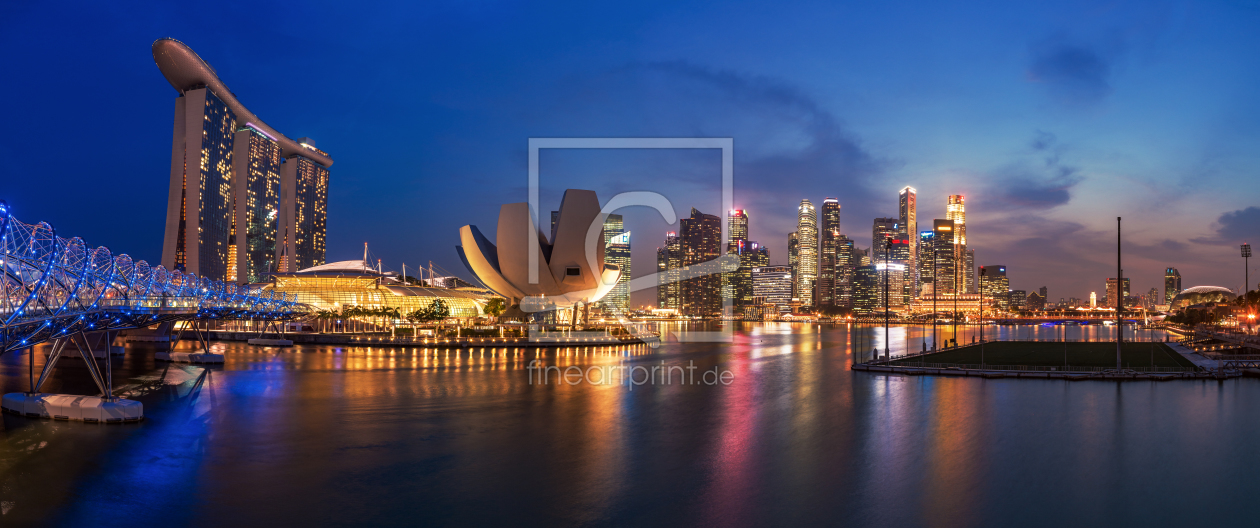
(256, 194)
(701, 236)
(970, 271)
(617, 251)
(899, 258)
(1172, 284)
(737, 285)
(669, 263)
(794, 259)
(206, 199)
(866, 289)
(1113, 295)
(752, 256)
(774, 284)
(863, 256)
(994, 285)
(1018, 300)
(845, 266)
(1152, 299)
(908, 229)
(943, 252)
(1035, 302)
(955, 210)
(830, 231)
(807, 252)
(1044, 293)
(882, 230)
(926, 251)
(303, 209)
(1093, 300)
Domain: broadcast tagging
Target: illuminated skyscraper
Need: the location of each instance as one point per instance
(617, 251)
(737, 285)
(956, 211)
(669, 263)
(1172, 284)
(256, 167)
(908, 229)
(701, 236)
(1112, 293)
(219, 188)
(827, 258)
(882, 230)
(969, 270)
(846, 263)
(926, 250)
(943, 252)
(807, 248)
(995, 287)
(794, 259)
(774, 284)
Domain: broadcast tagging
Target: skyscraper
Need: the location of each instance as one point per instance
(970, 270)
(846, 263)
(737, 285)
(926, 251)
(882, 230)
(827, 252)
(256, 167)
(219, 188)
(1112, 293)
(794, 259)
(908, 229)
(774, 283)
(701, 236)
(1172, 284)
(943, 252)
(669, 263)
(617, 251)
(807, 248)
(995, 286)
(956, 211)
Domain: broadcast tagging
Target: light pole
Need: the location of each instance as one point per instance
(1246, 254)
(981, 288)
(887, 253)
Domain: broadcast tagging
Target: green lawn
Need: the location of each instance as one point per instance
(1049, 354)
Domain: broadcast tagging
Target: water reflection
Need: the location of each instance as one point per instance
(416, 435)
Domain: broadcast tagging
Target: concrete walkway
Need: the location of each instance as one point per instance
(1194, 357)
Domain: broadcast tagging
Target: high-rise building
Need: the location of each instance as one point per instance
(617, 251)
(1035, 302)
(1093, 299)
(1045, 295)
(669, 263)
(1112, 294)
(927, 261)
(1172, 284)
(995, 286)
(908, 229)
(955, 209)
(882, 230)
(226, 210)
(866, 289)
(846, 263)
(256, 170)
(943, 252)
(970, 271)
(1018, 300)
(701, 236)
(737, 285)
(807, 249)
(794, 258)
(830, 231)
(303, 210)
(899, 259)
(774, 284)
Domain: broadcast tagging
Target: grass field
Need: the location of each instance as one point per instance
(1050, 354)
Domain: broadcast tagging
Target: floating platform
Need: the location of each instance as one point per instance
(190, 357)
(270, 342)
(91, 409)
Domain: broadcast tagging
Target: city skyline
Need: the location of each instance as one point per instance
(1034, 142)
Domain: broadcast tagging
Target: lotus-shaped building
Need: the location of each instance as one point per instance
(567, 270)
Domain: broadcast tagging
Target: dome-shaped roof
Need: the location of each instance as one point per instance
(1200, 295)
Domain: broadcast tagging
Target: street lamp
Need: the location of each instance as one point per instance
(1246, 254)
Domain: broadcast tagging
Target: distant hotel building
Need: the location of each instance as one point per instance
(244, 199)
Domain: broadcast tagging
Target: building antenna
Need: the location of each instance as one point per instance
(365, 260)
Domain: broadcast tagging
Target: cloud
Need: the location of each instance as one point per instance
(1072, 74)
(1234, 227)
(1041, 180)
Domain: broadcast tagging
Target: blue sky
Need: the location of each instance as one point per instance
(1051, 118)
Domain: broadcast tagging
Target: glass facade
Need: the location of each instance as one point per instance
(214, 187)
(774, 284)
(669, 262)
(617, 251)
(701, 236)
(807, 252)
(827, 252)
(258, 209)
(310, 213)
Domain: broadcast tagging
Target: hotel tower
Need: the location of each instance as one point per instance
(244, 199)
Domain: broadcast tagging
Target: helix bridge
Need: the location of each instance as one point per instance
(60, 290)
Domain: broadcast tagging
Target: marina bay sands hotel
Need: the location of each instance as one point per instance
(245, 200)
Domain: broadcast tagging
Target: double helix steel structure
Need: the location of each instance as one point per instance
(55, 287)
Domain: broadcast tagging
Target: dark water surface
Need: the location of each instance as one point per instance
(371, 436)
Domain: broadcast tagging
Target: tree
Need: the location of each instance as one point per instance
(495, 307)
